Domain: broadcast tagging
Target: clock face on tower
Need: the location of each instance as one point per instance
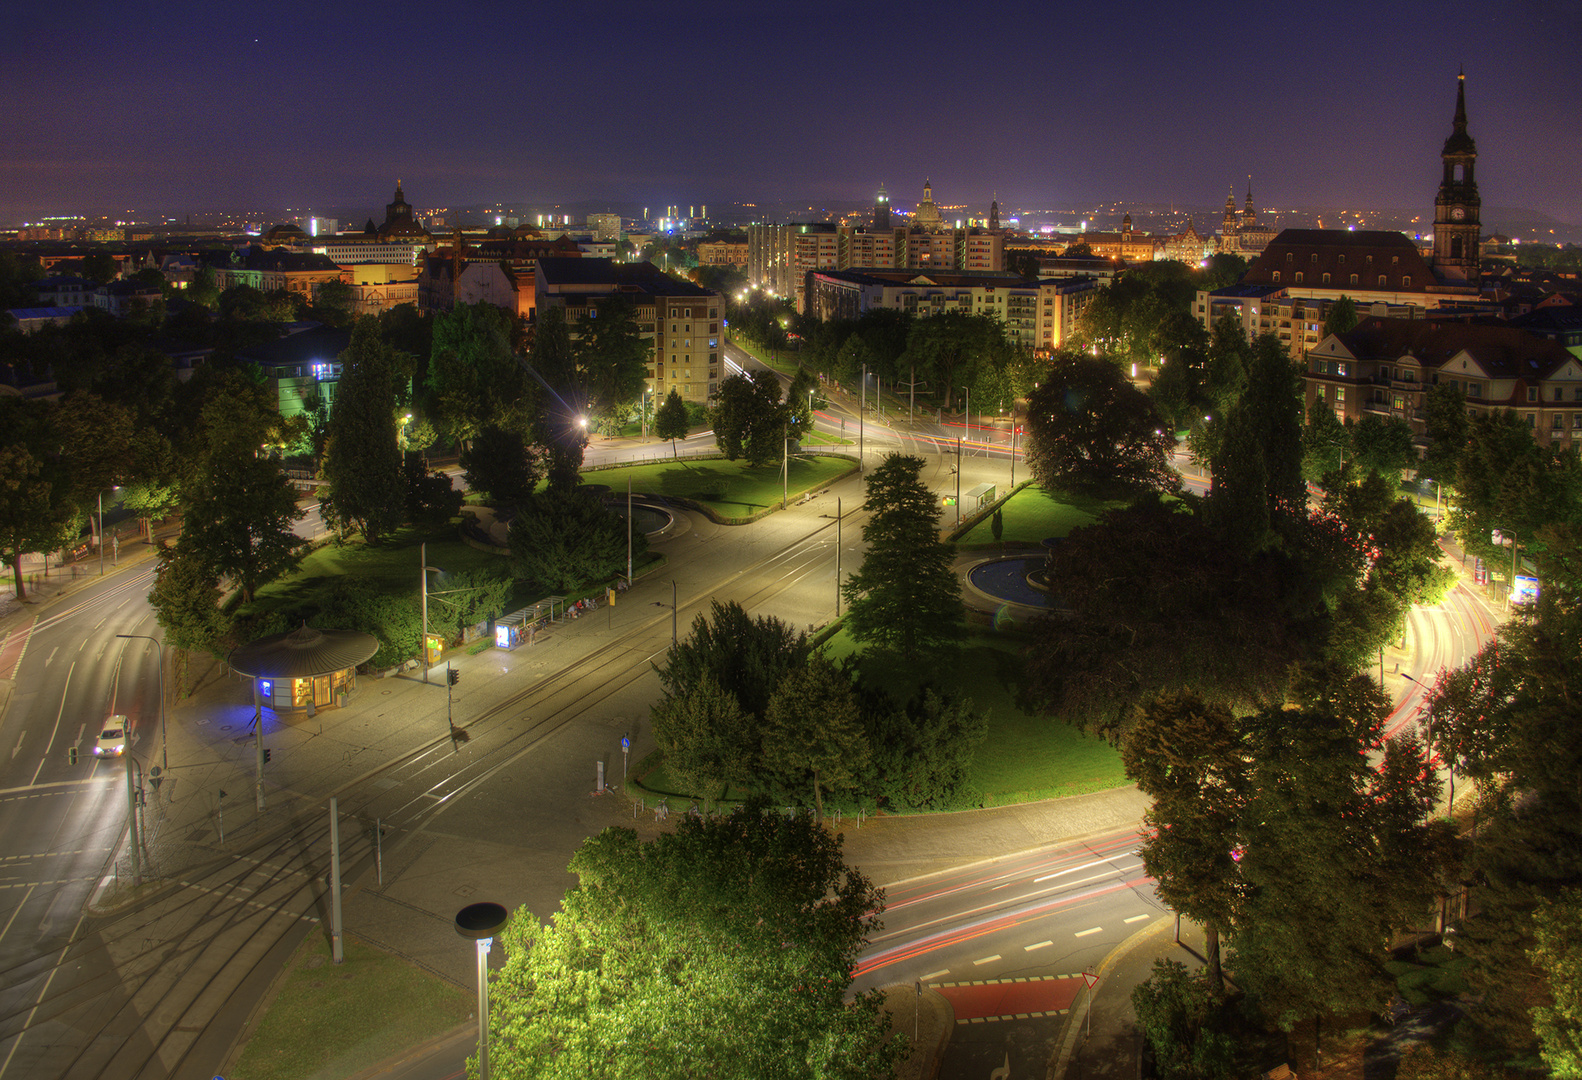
(1457, 214)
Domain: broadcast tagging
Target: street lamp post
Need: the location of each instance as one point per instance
(958, 479)
(424, 569)
(101, 529)
(481, 922)
(966, 419)
(164, 745)
(1510, 592)
(656, 603)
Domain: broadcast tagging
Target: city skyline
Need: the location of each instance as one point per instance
(1344, 105)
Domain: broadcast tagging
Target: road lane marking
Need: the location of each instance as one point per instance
(1089, 930)
(17, 749)
(1134, 918)
(986, 960)
(51, 655)
(1040, 945)
(932, 975)
(56, 729)
(1074, 869)
(20, 905)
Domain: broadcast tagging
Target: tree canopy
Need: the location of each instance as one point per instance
(749, 418)
(723, 949)
(906, 597)
(1090, 431)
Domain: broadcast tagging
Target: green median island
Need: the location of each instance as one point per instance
(1024, 758)
(732, 489)
(332, 1020)
(1031, 515)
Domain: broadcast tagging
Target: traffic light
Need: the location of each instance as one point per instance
(71, 756)
(452, 676)
(267, 752)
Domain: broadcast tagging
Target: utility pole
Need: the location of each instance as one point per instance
(131, 824)
(424, 570)
(958, 479)
(862, 411)
(336, 948)
(837, 556)
(911, 388)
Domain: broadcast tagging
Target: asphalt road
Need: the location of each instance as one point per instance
(164, 982)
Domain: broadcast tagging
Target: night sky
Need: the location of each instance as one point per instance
(189, 106)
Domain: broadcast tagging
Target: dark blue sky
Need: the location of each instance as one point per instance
(1053, 103)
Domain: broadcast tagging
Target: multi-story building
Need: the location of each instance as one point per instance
(1386, 366)
(1126, 245)
(723, 253)
(65, 290)
(378, 287)
(304, 364)
(1036, 315)
(265, 270)
(360, 248)
(1243, 235)
(680, 320)
(123, 298)
(1293, 282)
(780, 256)
(605, 226)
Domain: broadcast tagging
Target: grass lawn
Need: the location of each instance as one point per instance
(393, 566)
(786, 362)
(730, 488)
(1436, 973)
(1032, 514)
(330, 1021)
(1024, 757)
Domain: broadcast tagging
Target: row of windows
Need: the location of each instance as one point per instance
(1559, 393)
(1312, 258)
(1384, 280)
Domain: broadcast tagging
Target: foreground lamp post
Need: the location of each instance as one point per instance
(480, 922)
(164, 745)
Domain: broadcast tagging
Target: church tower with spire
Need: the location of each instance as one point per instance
(881, 209)
(1251, 217)
(1456, 226)
(994, 215)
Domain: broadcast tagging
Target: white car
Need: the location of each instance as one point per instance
(112, 740)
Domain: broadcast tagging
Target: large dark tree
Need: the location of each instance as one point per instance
(671, 421)
(813, 734)
(239, 507)
(1089, 430)
(502, 463)
(1259, 495)
(906, 597)
(1153, 600)
(1448, 427)
(611, 359)
(723, 949)
(362, 461)
(749, 418)
(1190, 757)
(568, 539)
(1384, 445)
(744, 656)
(474, 378)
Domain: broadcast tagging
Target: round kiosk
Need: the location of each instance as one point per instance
(304, 670)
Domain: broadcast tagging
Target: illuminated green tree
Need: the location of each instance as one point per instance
(722, 949)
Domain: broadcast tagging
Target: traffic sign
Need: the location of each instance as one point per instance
(1091, 979)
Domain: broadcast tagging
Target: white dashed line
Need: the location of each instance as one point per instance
(1089, 930)
(932, 975)
(1134, 918)
(986, 960)
(1040, 945)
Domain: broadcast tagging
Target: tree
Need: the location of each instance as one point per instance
(1325, 442)
(1259, 494)
(1335, 859)
(1342, 317)
(1181, 1021)
(813, 732)
(707, 740)
(746, 657)
(501, 462)
(1384, 445)
(748, 417)
(801, 399)
(611, 358)
(33, 516)
(1089, 430)
(1557, 953)
(332, 303)
(1154, 600)
(1447, 427)
(239, 507)
(469, 597)
(186, 602)
(566, 539)
(671, 421)
(362, 461)
(474, 379)
(906, 597)
(723, 949)
(920, 756)
(1190, 758)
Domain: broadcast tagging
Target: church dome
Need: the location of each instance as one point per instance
(285, 233)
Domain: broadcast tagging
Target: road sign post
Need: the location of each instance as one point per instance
(1092, 980)
(626, 750)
